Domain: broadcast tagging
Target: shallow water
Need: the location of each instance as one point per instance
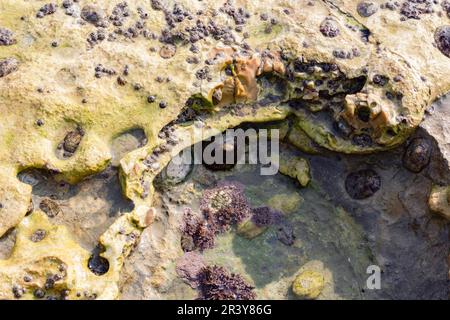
(322, 232)
(393, 229)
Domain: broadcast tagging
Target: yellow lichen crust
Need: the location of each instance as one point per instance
(308, 284)
(249, 230)
(47, 262)
(76, 75)
(299, 139)
(286, 203)
(295, 167)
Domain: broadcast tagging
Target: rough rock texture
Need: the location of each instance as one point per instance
(439, 201)
(439, 131)
(189, 268)
(308, 284)
(393, 229)
(358, 84)
(294, 167)
(54, 263)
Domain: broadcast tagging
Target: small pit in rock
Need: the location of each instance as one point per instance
(87, 209)
(127, 142)
(362, 184)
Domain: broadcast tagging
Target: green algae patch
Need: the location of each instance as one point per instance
(249, 230)
(308, 284)
(296, 168)
(286, 202)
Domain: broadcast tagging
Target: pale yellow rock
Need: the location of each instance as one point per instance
(286, 203)
(249, 230)
(308, 284)
(296, 168)
(439, 201)
(298, 138)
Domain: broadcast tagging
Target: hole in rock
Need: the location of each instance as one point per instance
(97, 264)
(127, 142)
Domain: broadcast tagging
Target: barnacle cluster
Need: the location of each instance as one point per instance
(222, 207)
(216, 283)
(225, 205)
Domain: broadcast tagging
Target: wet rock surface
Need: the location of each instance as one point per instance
(398, 217)
(38, 235)
(126, 143)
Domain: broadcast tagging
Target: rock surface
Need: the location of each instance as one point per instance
(308, 284)
(349, 77)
